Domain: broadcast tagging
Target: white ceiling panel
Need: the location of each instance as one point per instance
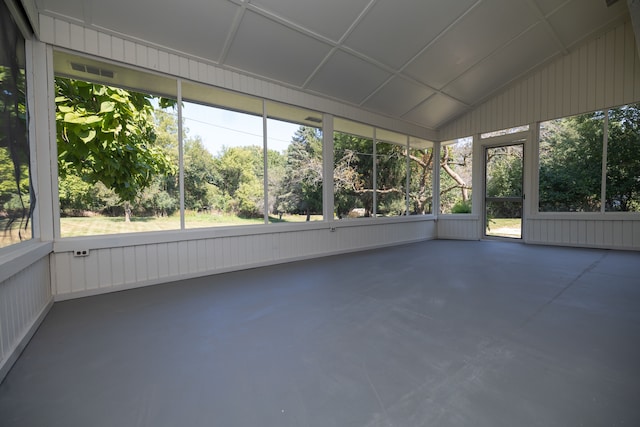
(328, 18)
(159, 21)
(484, 29)
(380, 36)
(347, 77)
(462, 50)
(397, 97)
(580, 18)
(548, 6)
(508, 63)
(436, 110)
(269, 49)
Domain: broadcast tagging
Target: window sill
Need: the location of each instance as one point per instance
(22, 255)
(68, 244)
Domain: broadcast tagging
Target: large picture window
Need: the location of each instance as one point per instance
(223, 158)
(117, 159)
(139, 152)
(294, 164)
(571, 155)
(17, 201)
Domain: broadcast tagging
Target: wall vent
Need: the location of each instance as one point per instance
(90, 69)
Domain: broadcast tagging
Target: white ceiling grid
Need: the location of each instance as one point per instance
(421, 61)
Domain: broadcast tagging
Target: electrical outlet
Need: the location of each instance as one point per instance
(332, 229)
(81, 252)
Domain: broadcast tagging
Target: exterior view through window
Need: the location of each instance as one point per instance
(16, 196)
(571, 173)
(455, 176)
(146, 160)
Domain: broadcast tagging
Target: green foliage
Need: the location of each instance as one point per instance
(455, 175)
(391, 179)
(8, 186)
(17, 199)
(75, 194)
(623, 160)
(421, 178)
(199, 172)
(571, 164)
(461, 207)
(353, 174)
(106, 134)
(301, 186)
(238, 174)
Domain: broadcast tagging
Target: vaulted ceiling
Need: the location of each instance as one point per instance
(421, 61)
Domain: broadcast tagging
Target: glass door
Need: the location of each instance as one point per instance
(504, 197)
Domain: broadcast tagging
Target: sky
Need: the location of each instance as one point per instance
(218, 127)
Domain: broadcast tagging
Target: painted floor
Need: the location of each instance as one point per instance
(439, 333)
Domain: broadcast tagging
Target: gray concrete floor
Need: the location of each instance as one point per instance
(440, 333)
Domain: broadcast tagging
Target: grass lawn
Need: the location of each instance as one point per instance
(97, 225)
(505, 227)
(13, 232)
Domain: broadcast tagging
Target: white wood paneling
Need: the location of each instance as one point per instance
(591, 232)
(602, 73)
(139, 264)
(459, 227)
(25, 298)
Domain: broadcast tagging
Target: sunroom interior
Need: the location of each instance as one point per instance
(374, 212)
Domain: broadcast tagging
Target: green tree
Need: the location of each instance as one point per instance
(301, 190)
(199, 175)
(420, 181)
(17, 199)
(623, 159)
(455, 182)
(239, 175)
(107, 134)
(571, 163)
(391, 167)
(353, 173)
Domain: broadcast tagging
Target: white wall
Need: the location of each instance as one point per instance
(120, 262)
(459, 227)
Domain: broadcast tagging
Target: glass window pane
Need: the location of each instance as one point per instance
(570, 168)
(353, 171)
(623, 160)
(391, 180)
(421, 176)
(117, 160)
(16, 199)
(455, 176)
(223, 166)
(295, 171)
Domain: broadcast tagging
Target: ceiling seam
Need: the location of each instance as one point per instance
(337, 45)
(490, 55)
(548, 26)
(439, 36)
(399, 71)
(232, 33)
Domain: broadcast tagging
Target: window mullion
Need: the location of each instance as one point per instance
(603, 184)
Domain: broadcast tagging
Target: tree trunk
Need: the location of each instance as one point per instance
(127, 212)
